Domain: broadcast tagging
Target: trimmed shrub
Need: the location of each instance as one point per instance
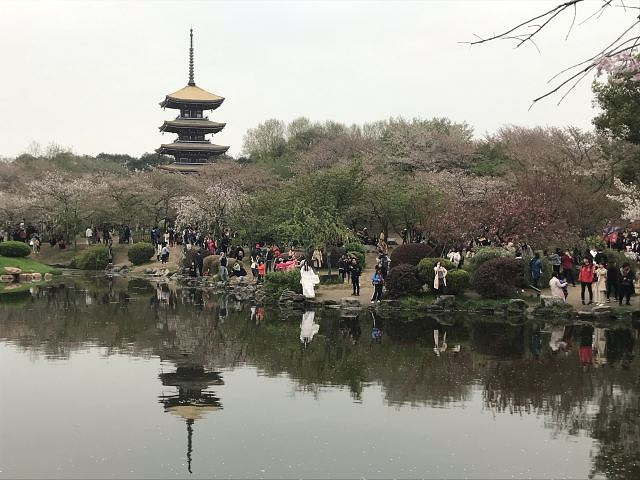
(360, 256)
(93, 258)
(403, 280)
(457, 282)
(426, 266)
(619, 257)
(277, 282)
(14, 249)
(358, 250)
(545, 274)
(140, 253)
(498, 277)
(486, 253)
(410, 253)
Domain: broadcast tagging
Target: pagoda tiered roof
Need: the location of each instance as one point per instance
(195, 147)
(206, 126)
(192, 95)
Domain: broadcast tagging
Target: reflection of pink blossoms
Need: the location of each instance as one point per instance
(620, 65)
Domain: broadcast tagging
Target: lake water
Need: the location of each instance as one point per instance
(109, 378)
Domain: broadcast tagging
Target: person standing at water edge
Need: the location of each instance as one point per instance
(439, 278)
(308, 280)
(377, 280)
(613, 279)
(224, 273)
(585, 277)
(355, 271)
(601, 284)
(627, 279)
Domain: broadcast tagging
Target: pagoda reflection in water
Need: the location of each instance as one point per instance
(192, 401)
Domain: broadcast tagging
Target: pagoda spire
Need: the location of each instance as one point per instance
(191, 80)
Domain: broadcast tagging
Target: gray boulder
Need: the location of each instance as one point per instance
(547, 300)
(447, 302)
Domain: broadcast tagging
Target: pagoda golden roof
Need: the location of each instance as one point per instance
(193, 93)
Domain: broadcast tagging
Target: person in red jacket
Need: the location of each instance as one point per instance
(585, 277)
(567, 268)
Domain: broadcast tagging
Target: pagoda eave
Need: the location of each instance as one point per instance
(203, 126)
(179, 103)
(178, 148)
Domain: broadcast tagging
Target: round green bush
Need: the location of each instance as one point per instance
(486, 253)
(498, 277)
(277, 282)
(359, 255)
(426, 266)
(93, 258)
(140, 253)
(457, 282)
(358, 250)
(14, 249)
(411, 253)
(403, 280)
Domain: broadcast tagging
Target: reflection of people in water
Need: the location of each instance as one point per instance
(440, 339)
(536, 344)
(376, 329)
(308, 327)
(600, 346)
(556, 342)
(259, 314)
(222, 308)
(585, 353)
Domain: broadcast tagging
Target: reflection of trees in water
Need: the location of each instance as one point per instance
(188, 324)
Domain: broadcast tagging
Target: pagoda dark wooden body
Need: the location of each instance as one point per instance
(192, 148)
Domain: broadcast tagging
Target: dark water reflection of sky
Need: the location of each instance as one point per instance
(109, 379)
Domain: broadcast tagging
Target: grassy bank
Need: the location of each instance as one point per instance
(27, 265)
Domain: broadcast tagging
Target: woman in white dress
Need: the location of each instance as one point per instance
(308, 280)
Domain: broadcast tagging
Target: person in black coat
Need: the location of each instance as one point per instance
(613, 280)
(355, 270)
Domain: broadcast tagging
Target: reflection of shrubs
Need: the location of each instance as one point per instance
(498, 277)
(14, 249)
(426, 266)
(486, 253)
(277, 282)
(411, 253)
(93, 258)
(403, 280)
(140, 253)
(457, 282)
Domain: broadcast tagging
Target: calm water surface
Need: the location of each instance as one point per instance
(108, 378)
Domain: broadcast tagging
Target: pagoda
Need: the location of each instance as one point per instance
(191, 150)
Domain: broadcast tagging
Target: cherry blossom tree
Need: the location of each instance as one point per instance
(629, 197)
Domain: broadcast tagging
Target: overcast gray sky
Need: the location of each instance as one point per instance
(89, 74)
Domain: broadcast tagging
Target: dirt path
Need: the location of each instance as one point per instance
(575, 300)
(340, 291)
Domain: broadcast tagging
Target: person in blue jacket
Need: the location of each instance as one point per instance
(377, 280)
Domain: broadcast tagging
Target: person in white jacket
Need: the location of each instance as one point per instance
(556, 285)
